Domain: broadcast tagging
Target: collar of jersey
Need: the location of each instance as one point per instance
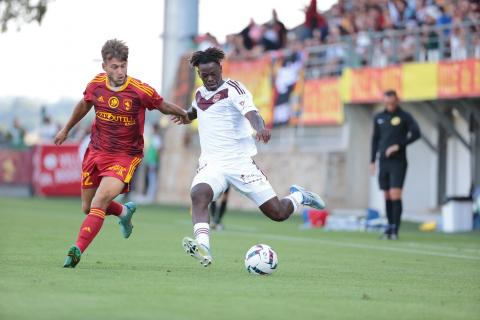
(119, 89)
(223, 84)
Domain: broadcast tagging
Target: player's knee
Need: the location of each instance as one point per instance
(102, 199)
(201, 196)
(279, 217)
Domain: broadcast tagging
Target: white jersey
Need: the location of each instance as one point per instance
(225, 133)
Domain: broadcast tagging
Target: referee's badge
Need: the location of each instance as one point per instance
(395, 121)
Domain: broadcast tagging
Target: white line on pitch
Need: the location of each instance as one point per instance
(361, 246)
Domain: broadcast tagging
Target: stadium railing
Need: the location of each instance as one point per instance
(455, 41)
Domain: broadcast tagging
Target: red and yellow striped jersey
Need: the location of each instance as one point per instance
(120, 115)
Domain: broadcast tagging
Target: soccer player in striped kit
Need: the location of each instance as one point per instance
(226, 115)
(116, 146)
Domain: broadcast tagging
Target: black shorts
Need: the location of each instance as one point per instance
(392, 174)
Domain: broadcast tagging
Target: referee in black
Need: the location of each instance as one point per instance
(393, 130)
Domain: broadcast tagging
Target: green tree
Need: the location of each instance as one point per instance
(21, 12)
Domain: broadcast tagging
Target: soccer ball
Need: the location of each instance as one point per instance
(261, 259)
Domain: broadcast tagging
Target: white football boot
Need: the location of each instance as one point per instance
(310, 199)
(198, 251)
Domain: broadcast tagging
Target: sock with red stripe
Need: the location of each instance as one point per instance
(201, 231)
(90, 227)
(116, 209)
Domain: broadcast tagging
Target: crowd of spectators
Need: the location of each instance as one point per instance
(367, 32)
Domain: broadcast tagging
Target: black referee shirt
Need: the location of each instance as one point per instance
(397, 127)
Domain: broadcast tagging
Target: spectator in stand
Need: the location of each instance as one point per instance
(251, 35)
(458, 46)
(400, 13)
(205, 41)
(48, 130)
(335, 53)
(430, 40)
(275, 34)
(18, 135)
(408, 45)
(444, 20)
(314, 20)
(375, 20)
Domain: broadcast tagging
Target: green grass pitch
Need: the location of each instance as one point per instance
(321, 275)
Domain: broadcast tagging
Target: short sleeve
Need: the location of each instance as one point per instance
(88, 95)
(152, 101)
(244, 102)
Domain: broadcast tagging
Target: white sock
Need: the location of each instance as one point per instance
(296, 198)
(124, 212)
(201, 231)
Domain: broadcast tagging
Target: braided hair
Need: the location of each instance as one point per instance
(209, 55)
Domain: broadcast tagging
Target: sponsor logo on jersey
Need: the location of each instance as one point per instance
(380, 121)
(108, 116)
(216, 97)
(127, 103)
(113, 102)
(395, 121)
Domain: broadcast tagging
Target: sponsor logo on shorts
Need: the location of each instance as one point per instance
(251, 178)
(108, 116)
(119, 170)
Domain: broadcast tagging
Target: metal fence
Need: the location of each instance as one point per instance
(380, 49)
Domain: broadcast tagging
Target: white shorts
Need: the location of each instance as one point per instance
(243, 175)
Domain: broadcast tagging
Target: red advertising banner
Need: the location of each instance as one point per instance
(57, 170)
(459, 79)
(322, 102)
(369, 84)
(15, 167)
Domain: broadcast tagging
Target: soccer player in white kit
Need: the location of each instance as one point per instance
(226, 115)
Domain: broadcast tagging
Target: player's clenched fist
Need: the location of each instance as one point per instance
(263, 135)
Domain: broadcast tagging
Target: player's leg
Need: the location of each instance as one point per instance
(396, 199)
(252, 182)
(212, 208)
(384, 183)
(201, 195)
(397, 179)
(208, 184)
(108, 189)
(222, 209)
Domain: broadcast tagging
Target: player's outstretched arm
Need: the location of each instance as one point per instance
(81, 109)
(171, 108)
(257, 123)
(191, 115)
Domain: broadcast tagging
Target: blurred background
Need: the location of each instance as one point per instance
(317, 71)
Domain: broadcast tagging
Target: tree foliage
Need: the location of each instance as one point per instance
(21, 12)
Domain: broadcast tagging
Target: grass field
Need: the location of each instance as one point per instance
(321, 275)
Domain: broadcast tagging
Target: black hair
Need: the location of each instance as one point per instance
(390, 93)
(209, 55)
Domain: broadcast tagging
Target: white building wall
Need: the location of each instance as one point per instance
(459, 166)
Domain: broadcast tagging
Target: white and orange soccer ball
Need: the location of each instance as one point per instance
(261, 260)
